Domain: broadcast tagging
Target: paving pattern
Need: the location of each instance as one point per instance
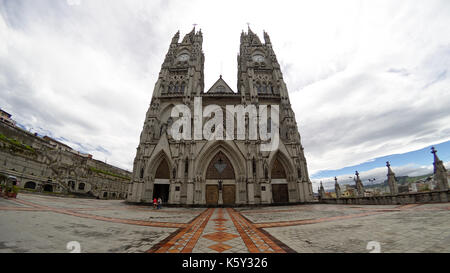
(39, 223)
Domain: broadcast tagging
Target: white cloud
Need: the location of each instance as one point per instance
(367, 78)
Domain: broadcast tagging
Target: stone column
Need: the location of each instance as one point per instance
(242, 191)
(146, 191)
(301, 191)
(197, 190)
(130, 190)
(140, 190)
(135, 190)
(190, 192)
(220, 186)
(251, 193)
(307, 191)
(171, 192)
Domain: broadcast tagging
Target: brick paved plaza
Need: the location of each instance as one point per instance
(38, 223)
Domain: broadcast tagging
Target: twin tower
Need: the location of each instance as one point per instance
(219, 172)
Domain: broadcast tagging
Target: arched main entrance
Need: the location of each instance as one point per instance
(161, 184)
(30, 185)
(220, 180)
(48, 188)
(280, 192)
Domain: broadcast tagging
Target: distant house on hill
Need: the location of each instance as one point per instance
(403, 188)
(350, 191)
(5, 117)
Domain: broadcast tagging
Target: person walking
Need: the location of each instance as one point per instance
(154, 203)
(159, 202)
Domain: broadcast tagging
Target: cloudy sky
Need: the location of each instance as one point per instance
(368, 80)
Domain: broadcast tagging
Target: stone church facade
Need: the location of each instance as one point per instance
(219, 172)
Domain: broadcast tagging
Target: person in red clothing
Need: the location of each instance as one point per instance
(155, 202)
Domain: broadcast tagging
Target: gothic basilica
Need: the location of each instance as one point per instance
(231, 172)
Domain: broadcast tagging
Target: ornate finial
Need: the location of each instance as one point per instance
(387, 164)
(357, 173)
(194, 25)
(248, 28)
(176, 37)
(335, 179)
(433, 150)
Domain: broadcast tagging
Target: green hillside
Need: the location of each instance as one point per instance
(401, 180)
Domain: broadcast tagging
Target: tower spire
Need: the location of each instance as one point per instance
(249, 30)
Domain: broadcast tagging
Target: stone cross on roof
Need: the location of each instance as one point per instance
(433, 150)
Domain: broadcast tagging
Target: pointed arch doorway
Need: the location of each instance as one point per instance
(279, 183)
(220, 181)
(161, 186)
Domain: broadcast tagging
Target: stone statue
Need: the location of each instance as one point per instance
(391, 180)
(321, 191)
(359, 185)
(440, 173)
(337, 188)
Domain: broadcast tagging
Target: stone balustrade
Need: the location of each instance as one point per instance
(436, 196)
